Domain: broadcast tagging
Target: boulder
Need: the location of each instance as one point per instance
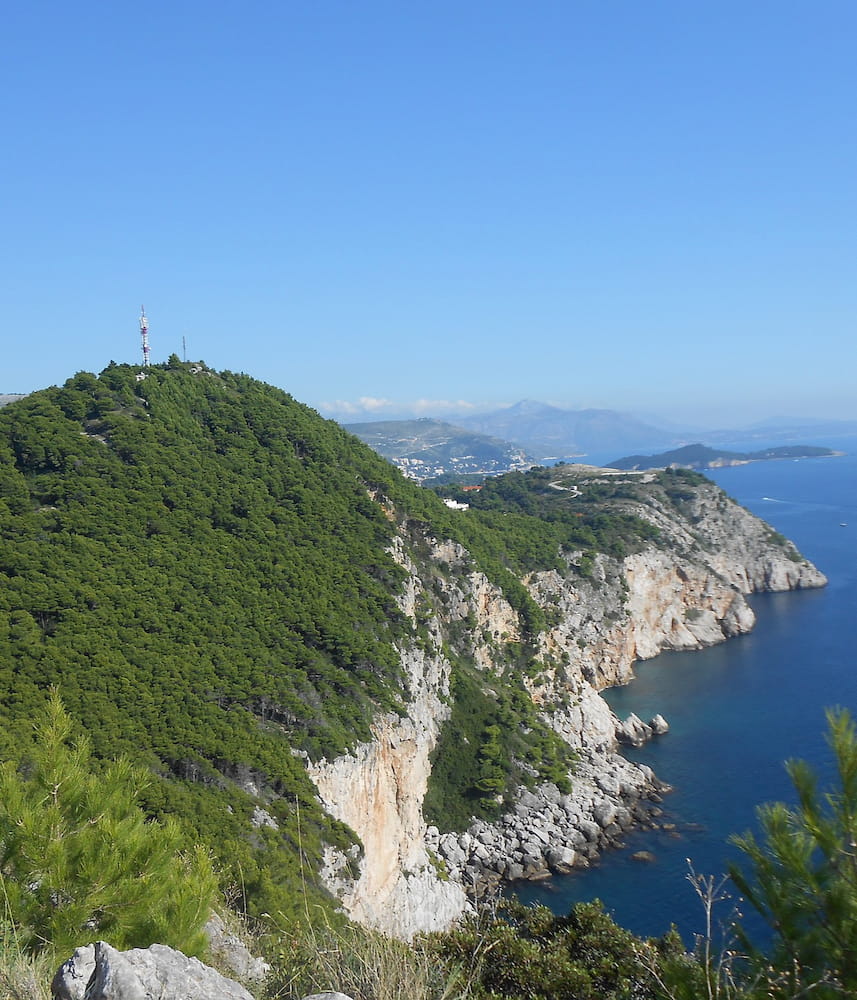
(604, 814)
(140, 974)
(561, 859)
(590, 830)
(623, 818)
(633, 731)
(72, 977)
(644, 857)
(608, 783)
(659, 725)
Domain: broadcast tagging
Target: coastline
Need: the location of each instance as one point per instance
(547, 833)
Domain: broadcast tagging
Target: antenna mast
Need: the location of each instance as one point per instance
(144, 335)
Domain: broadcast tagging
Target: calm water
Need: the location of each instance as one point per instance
(738, 710)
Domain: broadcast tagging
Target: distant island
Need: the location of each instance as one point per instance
(700, 456)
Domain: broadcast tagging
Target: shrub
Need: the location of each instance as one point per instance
(80, 861)
(802, 878)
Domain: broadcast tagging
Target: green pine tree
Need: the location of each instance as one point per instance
(80, 861)
(803, 878)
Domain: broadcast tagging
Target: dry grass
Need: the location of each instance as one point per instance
(361, 963)
(22, 976)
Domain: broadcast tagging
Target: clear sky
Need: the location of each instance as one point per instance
(648, 206)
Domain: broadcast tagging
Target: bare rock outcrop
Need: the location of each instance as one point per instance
(547, 832)
(100, 972)
(378, 790)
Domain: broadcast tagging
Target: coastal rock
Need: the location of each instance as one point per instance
(561, 859)
(644, 857)
(633, 731)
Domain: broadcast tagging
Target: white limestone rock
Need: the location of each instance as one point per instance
(140, 974)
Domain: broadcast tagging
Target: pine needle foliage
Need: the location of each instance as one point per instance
(802, 878)
(80, 861)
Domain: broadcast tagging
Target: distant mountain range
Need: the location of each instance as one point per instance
(699, 456)
(550, 432)
(532, 433)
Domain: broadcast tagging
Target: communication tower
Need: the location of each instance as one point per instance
(144, 334)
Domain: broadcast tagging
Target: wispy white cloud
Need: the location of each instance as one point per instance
(353, 408)
(372, 404)
(379, 405)
(423, 406)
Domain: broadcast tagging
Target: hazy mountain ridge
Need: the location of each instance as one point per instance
(549, 431)
(531, 432)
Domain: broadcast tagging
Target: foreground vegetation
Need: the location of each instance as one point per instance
(64, 830)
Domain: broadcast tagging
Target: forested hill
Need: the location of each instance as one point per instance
(204, 568)
(201, 565)
(195, 561)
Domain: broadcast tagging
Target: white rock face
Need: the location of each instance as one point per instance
(379, 790)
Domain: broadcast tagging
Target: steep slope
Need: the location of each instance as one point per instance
(194, 560)
(327, 669)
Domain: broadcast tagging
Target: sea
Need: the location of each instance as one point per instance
(737, 711)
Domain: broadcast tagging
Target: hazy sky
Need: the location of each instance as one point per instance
(648, 206)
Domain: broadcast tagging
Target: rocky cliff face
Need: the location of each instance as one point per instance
(685, 592)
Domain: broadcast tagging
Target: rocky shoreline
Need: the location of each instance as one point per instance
(548, 833)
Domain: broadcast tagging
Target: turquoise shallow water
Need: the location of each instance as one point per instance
(738, 710)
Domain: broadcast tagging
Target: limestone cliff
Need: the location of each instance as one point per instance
(684, 591)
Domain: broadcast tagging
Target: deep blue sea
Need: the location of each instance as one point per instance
(738, 710)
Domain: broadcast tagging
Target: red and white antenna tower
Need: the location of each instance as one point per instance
(144, 334)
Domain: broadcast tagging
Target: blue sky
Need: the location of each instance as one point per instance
(436, 207)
